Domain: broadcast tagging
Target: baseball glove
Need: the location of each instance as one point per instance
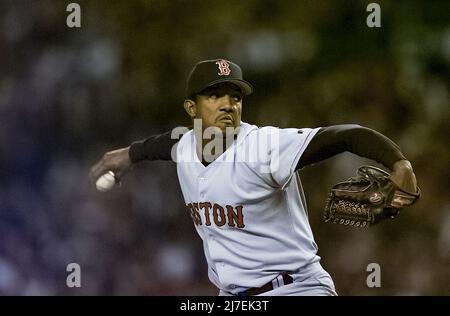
(367, 199)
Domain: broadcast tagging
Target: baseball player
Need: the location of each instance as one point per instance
(243, 195)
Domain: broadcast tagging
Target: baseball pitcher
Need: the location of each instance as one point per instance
(240, 189)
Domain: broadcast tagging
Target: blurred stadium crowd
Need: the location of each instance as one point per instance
(68, 95)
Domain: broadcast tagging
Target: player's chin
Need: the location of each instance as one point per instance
(227, 128)
(224, 123)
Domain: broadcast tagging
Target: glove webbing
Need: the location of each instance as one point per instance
(348, 213)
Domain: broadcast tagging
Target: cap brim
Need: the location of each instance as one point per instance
(245, 87)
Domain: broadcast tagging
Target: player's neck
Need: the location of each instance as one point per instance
(209, 150)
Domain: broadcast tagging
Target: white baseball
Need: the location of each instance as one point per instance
(106, 181)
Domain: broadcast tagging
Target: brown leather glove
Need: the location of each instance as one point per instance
(366, 199)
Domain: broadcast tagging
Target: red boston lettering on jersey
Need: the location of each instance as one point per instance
(218, 211)
(189, 209)
(235, 218)
(206, 206)
(234, 215)
(224, 67)
(193, 209)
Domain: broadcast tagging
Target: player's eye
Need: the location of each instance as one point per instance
(214, 95)
(237, 97)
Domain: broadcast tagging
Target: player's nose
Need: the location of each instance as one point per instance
(227, 103)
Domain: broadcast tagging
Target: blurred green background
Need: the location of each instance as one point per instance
(67, 95)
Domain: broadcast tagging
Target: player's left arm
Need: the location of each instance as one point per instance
(364, 142)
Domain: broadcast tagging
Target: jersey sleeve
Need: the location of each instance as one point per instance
(157, 147)
(286, 150)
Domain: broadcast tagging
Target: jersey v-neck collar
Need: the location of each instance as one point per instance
(245, 129)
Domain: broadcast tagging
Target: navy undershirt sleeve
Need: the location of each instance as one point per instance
(362, 141)
(156, 147)
(328, 142)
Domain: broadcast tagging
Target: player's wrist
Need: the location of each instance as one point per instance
(136, 152)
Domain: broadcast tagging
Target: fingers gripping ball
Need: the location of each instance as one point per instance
(106, 182)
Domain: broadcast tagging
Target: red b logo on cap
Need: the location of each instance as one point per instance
(224, 67)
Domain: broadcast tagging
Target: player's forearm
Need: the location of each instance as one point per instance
(357, 139)
(155, 147)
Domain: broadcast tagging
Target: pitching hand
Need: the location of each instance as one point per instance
(118, 161)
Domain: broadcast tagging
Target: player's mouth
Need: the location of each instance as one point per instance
(226, 118)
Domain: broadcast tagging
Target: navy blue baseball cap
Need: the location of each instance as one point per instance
(210, 72)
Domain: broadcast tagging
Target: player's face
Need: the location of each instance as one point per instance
(220, 105)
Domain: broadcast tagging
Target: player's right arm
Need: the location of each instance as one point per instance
(120, 161)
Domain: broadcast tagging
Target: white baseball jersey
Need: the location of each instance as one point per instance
(248, 206)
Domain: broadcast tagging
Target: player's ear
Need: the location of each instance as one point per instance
(190, 107)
